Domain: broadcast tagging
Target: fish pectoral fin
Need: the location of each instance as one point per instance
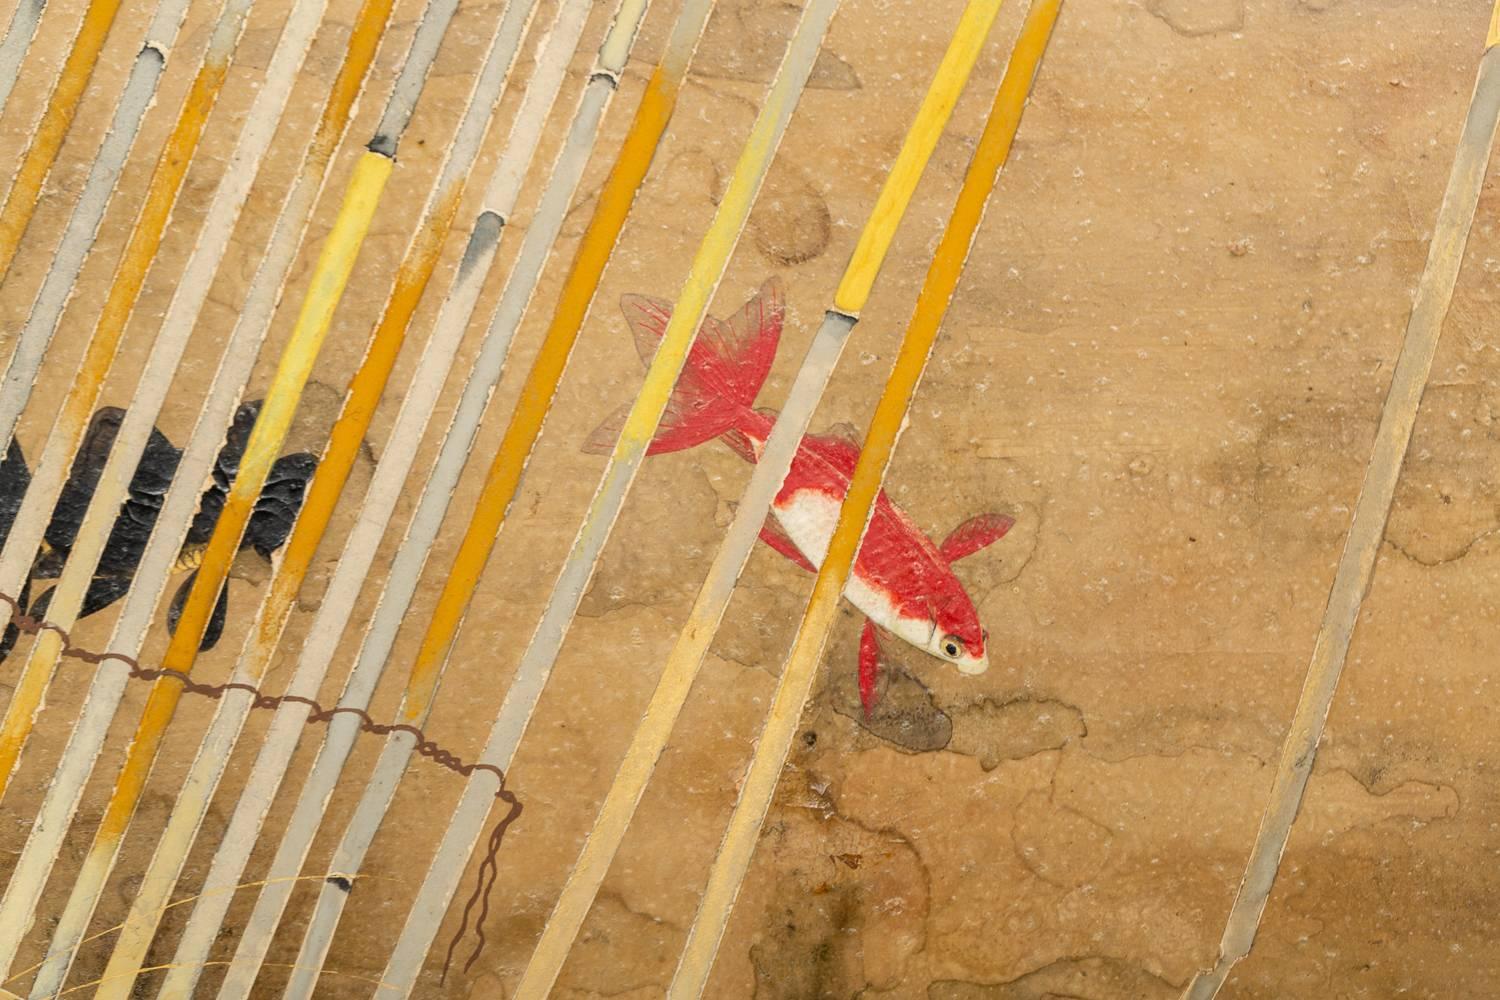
(216, 620)
(974, 534)
(870, 655)
(103, 591)
(11, 634)
(772, 534)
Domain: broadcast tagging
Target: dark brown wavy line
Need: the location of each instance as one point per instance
(488, 868)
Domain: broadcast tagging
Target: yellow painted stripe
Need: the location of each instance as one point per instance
(615, 199)
(78, 407)
(947, 84)
(26, 188)
(330, 277)
(369, 25)
(348, 433)
(989, 156)
(738, 845)
(687, 654)
(136, 934)
(1494, 35)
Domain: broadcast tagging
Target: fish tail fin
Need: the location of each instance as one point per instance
(724, 372)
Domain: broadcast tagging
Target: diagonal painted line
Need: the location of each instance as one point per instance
(83, 225)
(52, 128)
(105, 694)
(738, 846)
(385, 489)
(1356, 567)
(329, 278)
(771, 467)
(18, 35)
(26, 533)
(405, 572)
(98, 522)
(645, 415)
(218, 742)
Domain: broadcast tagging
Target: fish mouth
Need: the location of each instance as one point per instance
(973, 667)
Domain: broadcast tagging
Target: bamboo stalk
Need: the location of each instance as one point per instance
(156, 563)
(421, 259)
(420, 397)
(67, 432)
(687, 654)
(52, 128)
(405, 572)
(330, 276)
(18, 35)
(704, 276)
(191, 291)
(1356, 566)
(738, 846)
(83, 224)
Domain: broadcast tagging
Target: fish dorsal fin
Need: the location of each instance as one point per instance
(847, 433)
(647, 318)
(837, 447)
(974, 534)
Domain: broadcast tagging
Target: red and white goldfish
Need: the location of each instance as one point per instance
(902, 582)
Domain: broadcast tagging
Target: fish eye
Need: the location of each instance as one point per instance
(952, 645)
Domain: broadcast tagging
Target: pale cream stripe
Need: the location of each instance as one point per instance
(18, 35)
(83, 224)
(1367, 529)
(219, 741)
(419, 399)
(330, 275)
(107, 689)
(405, 572)
(771, 466)
(640, 426)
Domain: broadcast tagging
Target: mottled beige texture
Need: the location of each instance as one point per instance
(1166, 359)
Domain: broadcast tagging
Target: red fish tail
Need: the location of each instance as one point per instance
(724, 372)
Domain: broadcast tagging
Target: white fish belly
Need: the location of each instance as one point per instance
(809, 518)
